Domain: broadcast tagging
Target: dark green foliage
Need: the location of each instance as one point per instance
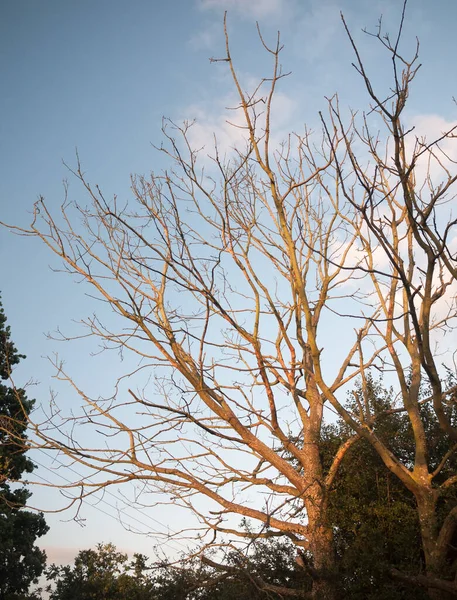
(373, 515)
(376, 527)
(185, 582)
(9, 356)
(14, 408)
(21, 562)
(105, 574)
(102, 574)
(270, 561)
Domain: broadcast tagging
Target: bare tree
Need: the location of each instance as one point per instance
(403, 193)
(229, 280)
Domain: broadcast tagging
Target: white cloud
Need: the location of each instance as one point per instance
(217, 124)
(207, 37)
(427, 129)
(256, 9)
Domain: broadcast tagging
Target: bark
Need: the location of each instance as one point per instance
(320, 533)
(324, 585)
(434, 552)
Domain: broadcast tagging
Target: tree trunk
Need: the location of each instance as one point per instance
(324, 585)
(435, 560)
(320, 533)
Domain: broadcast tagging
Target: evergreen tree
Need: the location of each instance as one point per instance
(21, 562)
(373, 515)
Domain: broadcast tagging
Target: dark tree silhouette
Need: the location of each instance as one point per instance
(21, 562)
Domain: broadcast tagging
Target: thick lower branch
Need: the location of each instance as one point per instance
(256, 580)
(425, 581)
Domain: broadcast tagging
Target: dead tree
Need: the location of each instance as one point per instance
(227, 281)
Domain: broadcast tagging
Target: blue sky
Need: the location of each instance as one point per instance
(98, 75)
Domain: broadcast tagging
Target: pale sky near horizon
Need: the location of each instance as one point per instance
(98, 75)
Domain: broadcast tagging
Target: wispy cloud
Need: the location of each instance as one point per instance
(318, 28)
(256, 9)
(207, 37)
(433, 166)
(263, 11)
(217, 125)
